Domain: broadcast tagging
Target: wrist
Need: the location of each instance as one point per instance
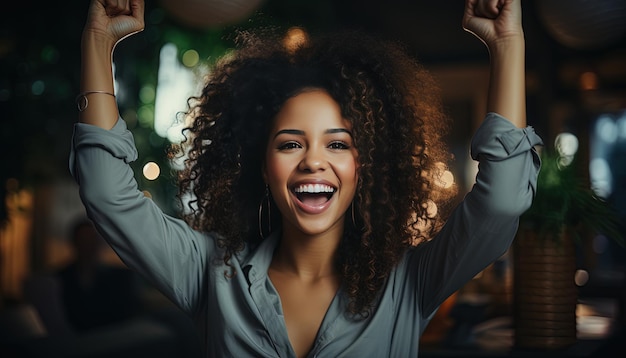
(513, 45)
(97, 42)
(96, 62)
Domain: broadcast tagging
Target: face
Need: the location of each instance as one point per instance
(311, 164)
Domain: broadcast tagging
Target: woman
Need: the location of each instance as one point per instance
(310, 173)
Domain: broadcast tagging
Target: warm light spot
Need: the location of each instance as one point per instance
(431, 208)
(593, 327)
(443, 177)
(581, 277)
(295, 38)
(447, 179)
(588, 81)
(191, 58)
(151, 170)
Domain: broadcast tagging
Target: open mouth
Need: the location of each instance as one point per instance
(314, 194)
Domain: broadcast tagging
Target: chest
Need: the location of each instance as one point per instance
(248, 315)
(304, 306)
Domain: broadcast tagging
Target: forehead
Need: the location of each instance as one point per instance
(311, 110)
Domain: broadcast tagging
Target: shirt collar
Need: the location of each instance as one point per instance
(255, 266)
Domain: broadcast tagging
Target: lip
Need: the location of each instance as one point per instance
(312, 209)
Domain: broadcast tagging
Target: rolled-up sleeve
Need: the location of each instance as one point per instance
(482, 227)
(508, 166)
(162, 248)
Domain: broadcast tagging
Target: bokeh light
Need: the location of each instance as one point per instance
(605, 128)
(443, 177)
(600, 175)
(566, 144)
(588, 81)
(147, 93)
(295, 38)
(151, 170)
(191, 58)
(38, 87)
(581, 277)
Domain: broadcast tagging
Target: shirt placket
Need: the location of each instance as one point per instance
(268, 304)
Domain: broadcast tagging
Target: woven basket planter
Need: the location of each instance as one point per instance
(544, 292)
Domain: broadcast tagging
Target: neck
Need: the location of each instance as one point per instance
(307, 256)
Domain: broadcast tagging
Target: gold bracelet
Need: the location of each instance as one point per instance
(82, 102)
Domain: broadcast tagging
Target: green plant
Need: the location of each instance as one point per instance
(565, 200)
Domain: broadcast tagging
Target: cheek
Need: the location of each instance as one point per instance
(275, 169)
(349, 171)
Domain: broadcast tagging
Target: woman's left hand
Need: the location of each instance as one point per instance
(493, 20)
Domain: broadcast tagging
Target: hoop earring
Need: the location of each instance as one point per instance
(353, 221)
(269, 212)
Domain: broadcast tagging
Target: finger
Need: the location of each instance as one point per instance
(117, 7)
(137, 8)
(469, 12)
(488, 8)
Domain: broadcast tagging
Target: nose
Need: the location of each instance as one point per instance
(313, 161)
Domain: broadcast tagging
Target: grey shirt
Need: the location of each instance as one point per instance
(241, 315)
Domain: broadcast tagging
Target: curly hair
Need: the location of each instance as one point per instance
(398, 124)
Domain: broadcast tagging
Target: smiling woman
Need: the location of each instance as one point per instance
(337, 143)
(311, 167)
(311, 153)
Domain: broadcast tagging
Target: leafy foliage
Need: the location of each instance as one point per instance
(564, 199)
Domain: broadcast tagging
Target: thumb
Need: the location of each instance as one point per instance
(126, 21)
(478, 20)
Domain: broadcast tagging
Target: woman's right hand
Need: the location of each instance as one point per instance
(108, 22)
(114, 20)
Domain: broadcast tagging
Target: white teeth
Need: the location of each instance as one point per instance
(314, 188)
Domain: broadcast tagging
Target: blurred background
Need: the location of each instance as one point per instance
(576, 84)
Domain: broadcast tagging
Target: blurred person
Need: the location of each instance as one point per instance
(95, 293)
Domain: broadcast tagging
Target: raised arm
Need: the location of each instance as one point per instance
(108, 22)
(483, 226)
(162, 248)
(498, 23)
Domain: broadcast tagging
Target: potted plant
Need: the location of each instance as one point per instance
(564, 210)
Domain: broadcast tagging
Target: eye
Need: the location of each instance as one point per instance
(338, 145)
(289, 146)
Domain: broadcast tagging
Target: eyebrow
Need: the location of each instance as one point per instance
(301, 132)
